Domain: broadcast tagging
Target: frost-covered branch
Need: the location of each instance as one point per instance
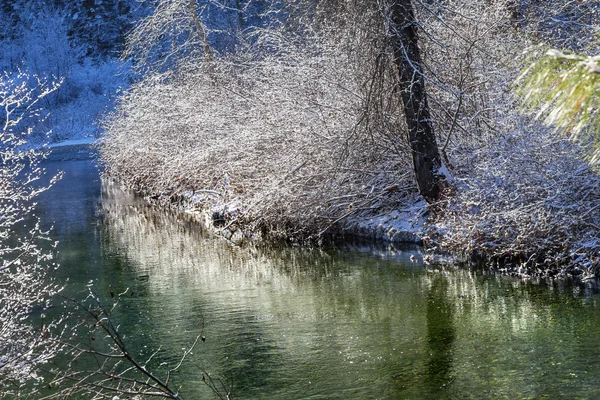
(27, 286)
(173, 31)
(102, 363)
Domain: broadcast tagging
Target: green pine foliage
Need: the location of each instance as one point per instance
(563, 89)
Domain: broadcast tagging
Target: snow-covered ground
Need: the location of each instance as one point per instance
(398, 226)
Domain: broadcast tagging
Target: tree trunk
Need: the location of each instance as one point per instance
(208, 55)
(426, 156)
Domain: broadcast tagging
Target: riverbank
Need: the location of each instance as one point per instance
(523, 234)
(546, 228)
(396, 226)
(281, 146)
(406, 225)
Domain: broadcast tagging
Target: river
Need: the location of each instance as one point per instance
(353, 322)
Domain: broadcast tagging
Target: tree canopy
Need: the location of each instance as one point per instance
(563, 88)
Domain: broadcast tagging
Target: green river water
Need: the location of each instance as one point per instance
(355, 322)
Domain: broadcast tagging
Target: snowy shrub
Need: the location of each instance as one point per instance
(94, 86)
(278, 140)
(47, 49)
(43, 44)
(302, 131)
(88, 85)
(183, 29)
(530, 201)
(517, 187)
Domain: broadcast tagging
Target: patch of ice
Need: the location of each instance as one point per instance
(72, 142)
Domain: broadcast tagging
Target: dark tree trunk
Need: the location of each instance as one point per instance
(426, 156)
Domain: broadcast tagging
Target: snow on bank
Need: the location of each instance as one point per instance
(72, 142)
(72, 149)
(398, 226)
(405, 225)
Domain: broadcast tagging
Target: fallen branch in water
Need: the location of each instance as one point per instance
(112, 367)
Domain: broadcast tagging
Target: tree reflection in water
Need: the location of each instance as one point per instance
(440, 335)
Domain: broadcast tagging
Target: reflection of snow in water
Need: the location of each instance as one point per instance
(175, 255)
(314, 311)
(71, 203)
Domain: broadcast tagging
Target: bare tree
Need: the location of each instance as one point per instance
(27, 338)
(430, 175)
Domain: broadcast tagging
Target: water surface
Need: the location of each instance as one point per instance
(356, 322)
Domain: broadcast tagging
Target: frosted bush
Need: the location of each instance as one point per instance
(280, 138)
(47, 49)
(94, 86)
(43, 44)
(302, 132)
(529, 204)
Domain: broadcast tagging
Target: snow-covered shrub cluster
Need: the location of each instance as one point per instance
(301, 130)
(564, 24)
(529, 202)
(282, 141)
(89, 91)
(523, 196)
(26, 269)
(295, 132)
